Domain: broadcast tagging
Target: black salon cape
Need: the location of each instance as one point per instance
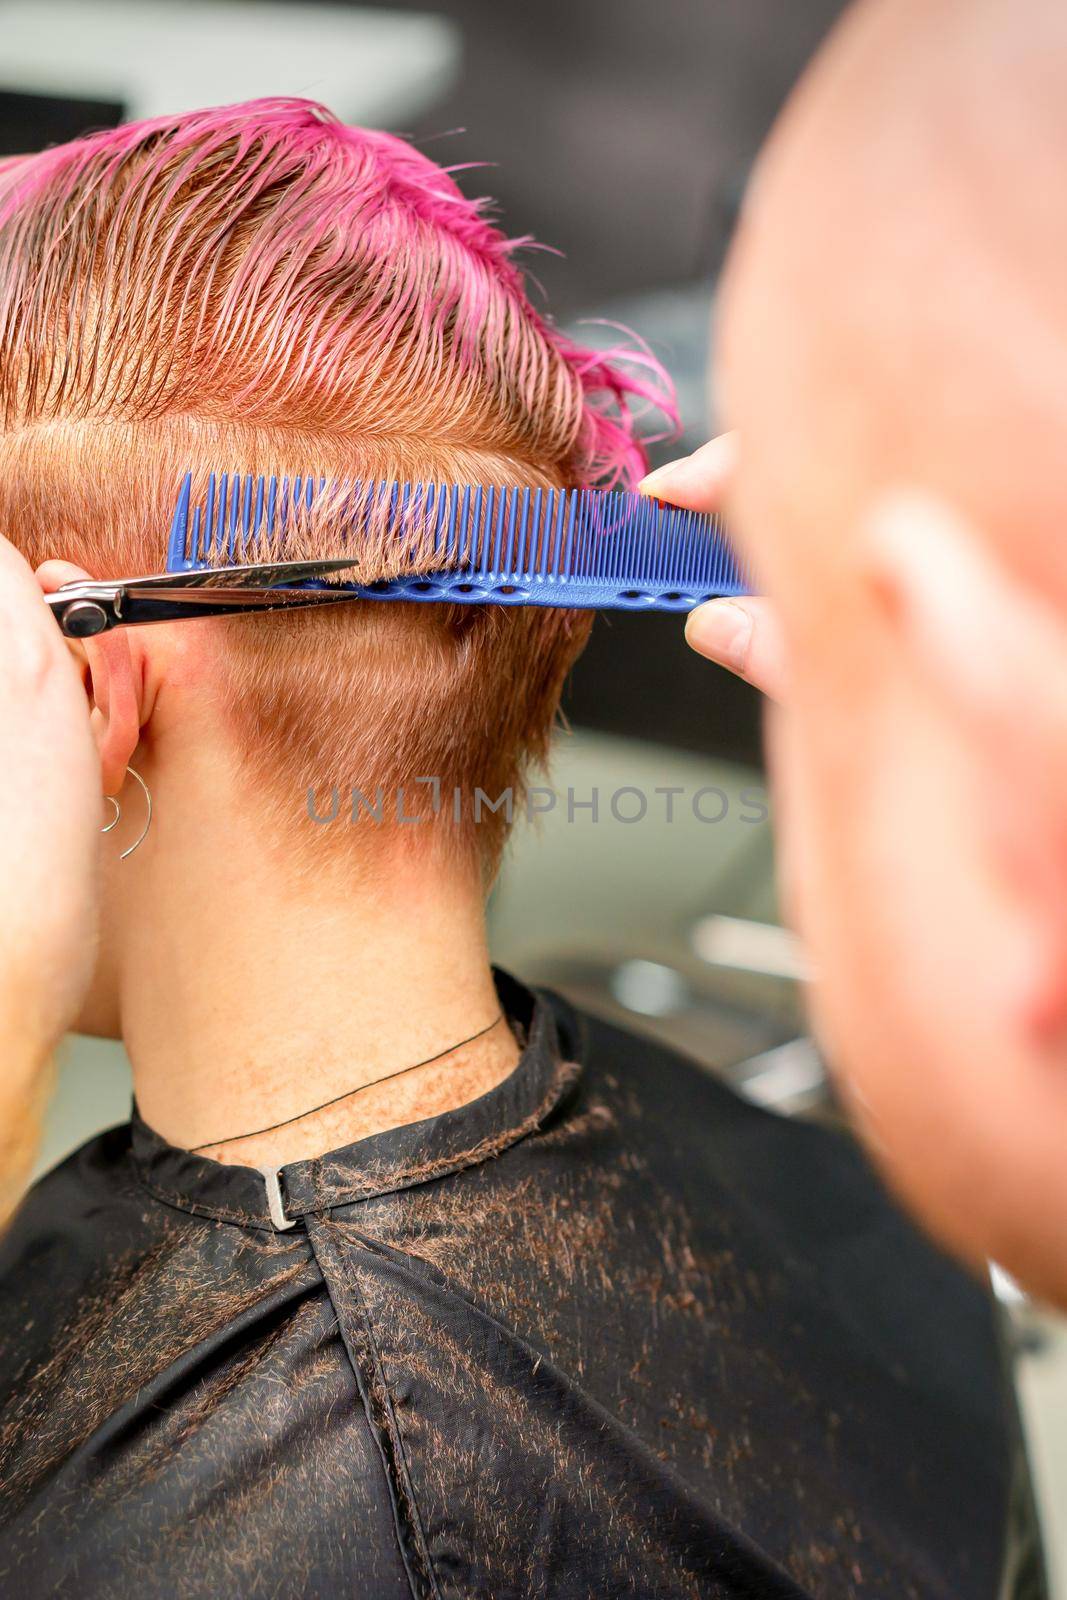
(606, 1331)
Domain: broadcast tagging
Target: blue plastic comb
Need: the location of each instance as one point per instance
(586, 548)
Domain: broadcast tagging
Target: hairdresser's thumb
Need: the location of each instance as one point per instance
(743, 635)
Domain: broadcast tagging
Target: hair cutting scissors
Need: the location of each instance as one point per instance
(90, 606)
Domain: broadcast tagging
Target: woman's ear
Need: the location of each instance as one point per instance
(113, 682)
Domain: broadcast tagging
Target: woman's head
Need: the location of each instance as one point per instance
(261, 288)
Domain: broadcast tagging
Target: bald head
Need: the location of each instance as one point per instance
(893, 352)
(894, 306)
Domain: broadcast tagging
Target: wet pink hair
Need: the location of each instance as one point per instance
(260, 288)
(279, 262)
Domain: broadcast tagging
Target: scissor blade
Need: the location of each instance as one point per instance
(264, 575)
(241, 599)
(85, 608)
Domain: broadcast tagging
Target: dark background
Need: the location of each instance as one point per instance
(621, 132)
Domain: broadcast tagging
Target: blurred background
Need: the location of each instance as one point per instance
(620, 134)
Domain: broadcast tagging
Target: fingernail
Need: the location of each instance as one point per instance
(652, 482)
(722, 631)
(693, 479)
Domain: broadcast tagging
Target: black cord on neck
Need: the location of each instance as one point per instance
(209, 1144)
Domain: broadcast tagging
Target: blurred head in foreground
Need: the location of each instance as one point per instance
(893, 350)
(259, 288)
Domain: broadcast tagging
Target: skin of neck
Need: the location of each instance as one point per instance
(251, 982)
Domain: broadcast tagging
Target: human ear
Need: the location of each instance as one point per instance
(992, 651)
(113, 682)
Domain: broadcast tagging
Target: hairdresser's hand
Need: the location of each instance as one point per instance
(49, 819)
(743, 634)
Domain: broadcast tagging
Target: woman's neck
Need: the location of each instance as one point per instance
(250, 995)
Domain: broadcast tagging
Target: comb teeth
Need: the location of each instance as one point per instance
(465, 542)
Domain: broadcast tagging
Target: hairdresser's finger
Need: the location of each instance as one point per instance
(49, 815)
(745, 636)
(29, 638)
(51, 575)
(15, 571)
(697, 482)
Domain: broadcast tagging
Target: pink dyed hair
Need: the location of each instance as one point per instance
(283, 257)
(261, 288)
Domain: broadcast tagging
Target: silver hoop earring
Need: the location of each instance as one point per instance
(110, 798)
